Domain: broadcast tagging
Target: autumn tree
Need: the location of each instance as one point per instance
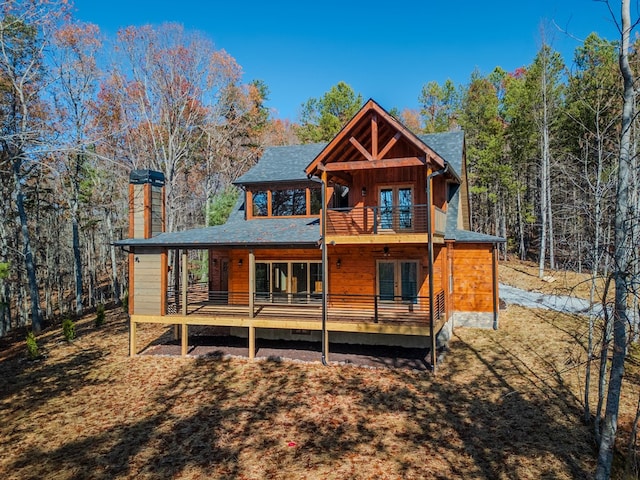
(166, 84)
(25, 30)
(77, 47)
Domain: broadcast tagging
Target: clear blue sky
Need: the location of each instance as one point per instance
(384, 50)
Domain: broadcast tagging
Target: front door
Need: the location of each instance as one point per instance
(398, 280)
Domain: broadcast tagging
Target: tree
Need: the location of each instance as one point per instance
(623, 251)
(77, 46)
(167, 86)
(322, 118)
(490, 177)
(24, 32)
(438, 106)
(591, 138)
(546, 88)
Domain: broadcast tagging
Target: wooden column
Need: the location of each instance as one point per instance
(132, 338)
(185, 280)
(252, 282)
(252, 342)
(185, 339)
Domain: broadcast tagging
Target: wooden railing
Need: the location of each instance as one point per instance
(379, 220)
(349, 307)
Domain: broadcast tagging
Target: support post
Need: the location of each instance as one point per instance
(325, 272)
(185, 280)
(494, 271)
(252, 342)
(252, 283)
(176, 331)
(184, 343)
(432, 332)
(132, 338)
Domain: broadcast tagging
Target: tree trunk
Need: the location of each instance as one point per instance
(622, 253)
(36, 321)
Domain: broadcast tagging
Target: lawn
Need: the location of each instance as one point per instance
(504, 404)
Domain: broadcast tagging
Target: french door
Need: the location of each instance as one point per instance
(288, 281)
(396, 208)
(398, 280)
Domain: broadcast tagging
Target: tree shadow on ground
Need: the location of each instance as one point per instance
(218, 417)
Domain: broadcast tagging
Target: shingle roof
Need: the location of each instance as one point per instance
(466, 236)
(287, 164)
(449, 145)
(282, 164)
(290, 232)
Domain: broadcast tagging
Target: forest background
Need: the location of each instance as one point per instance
(79, 111)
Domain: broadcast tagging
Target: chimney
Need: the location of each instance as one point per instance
(146, 204)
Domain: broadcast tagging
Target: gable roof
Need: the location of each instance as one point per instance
(370, 136)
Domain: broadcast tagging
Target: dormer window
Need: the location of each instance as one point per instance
(288, 203)
(285, 202)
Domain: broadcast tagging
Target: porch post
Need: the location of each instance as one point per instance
(432, 332)
(494, 271)
(185, 280)
(325, 272)
(132, 338)
(252, 283)
(184, 342)
(252, 342)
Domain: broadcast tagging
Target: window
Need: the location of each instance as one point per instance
(288, 281)
(396, 208)
(316, 201)
(260, 204)
(286, 202)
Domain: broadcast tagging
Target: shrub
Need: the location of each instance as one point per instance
(32, 346)
(100, 316)
(69, 329)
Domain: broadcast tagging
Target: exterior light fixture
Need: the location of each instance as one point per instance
(364, 191)
(240, 262)
(338, 263)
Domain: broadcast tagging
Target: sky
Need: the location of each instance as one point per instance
(384, 50)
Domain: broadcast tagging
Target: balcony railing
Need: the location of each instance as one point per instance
(340, 307)
(380, 220)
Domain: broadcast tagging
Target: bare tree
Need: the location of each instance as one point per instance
(623, 248)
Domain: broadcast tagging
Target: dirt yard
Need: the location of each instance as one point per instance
(503, 405)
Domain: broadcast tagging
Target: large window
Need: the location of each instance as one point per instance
(289, 202)
(288, 281)
(286, 203)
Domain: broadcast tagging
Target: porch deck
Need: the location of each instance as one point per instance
(345, 313)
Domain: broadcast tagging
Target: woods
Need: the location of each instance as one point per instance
(551, 148)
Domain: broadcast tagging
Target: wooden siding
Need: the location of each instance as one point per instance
(137, 202)
(157, 217)
(472, 278)
(147, 281)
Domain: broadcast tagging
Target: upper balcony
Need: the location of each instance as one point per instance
(374, 224)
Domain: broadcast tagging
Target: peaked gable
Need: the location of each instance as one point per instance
(373, 138)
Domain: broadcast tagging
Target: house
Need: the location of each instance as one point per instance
(363, 240)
